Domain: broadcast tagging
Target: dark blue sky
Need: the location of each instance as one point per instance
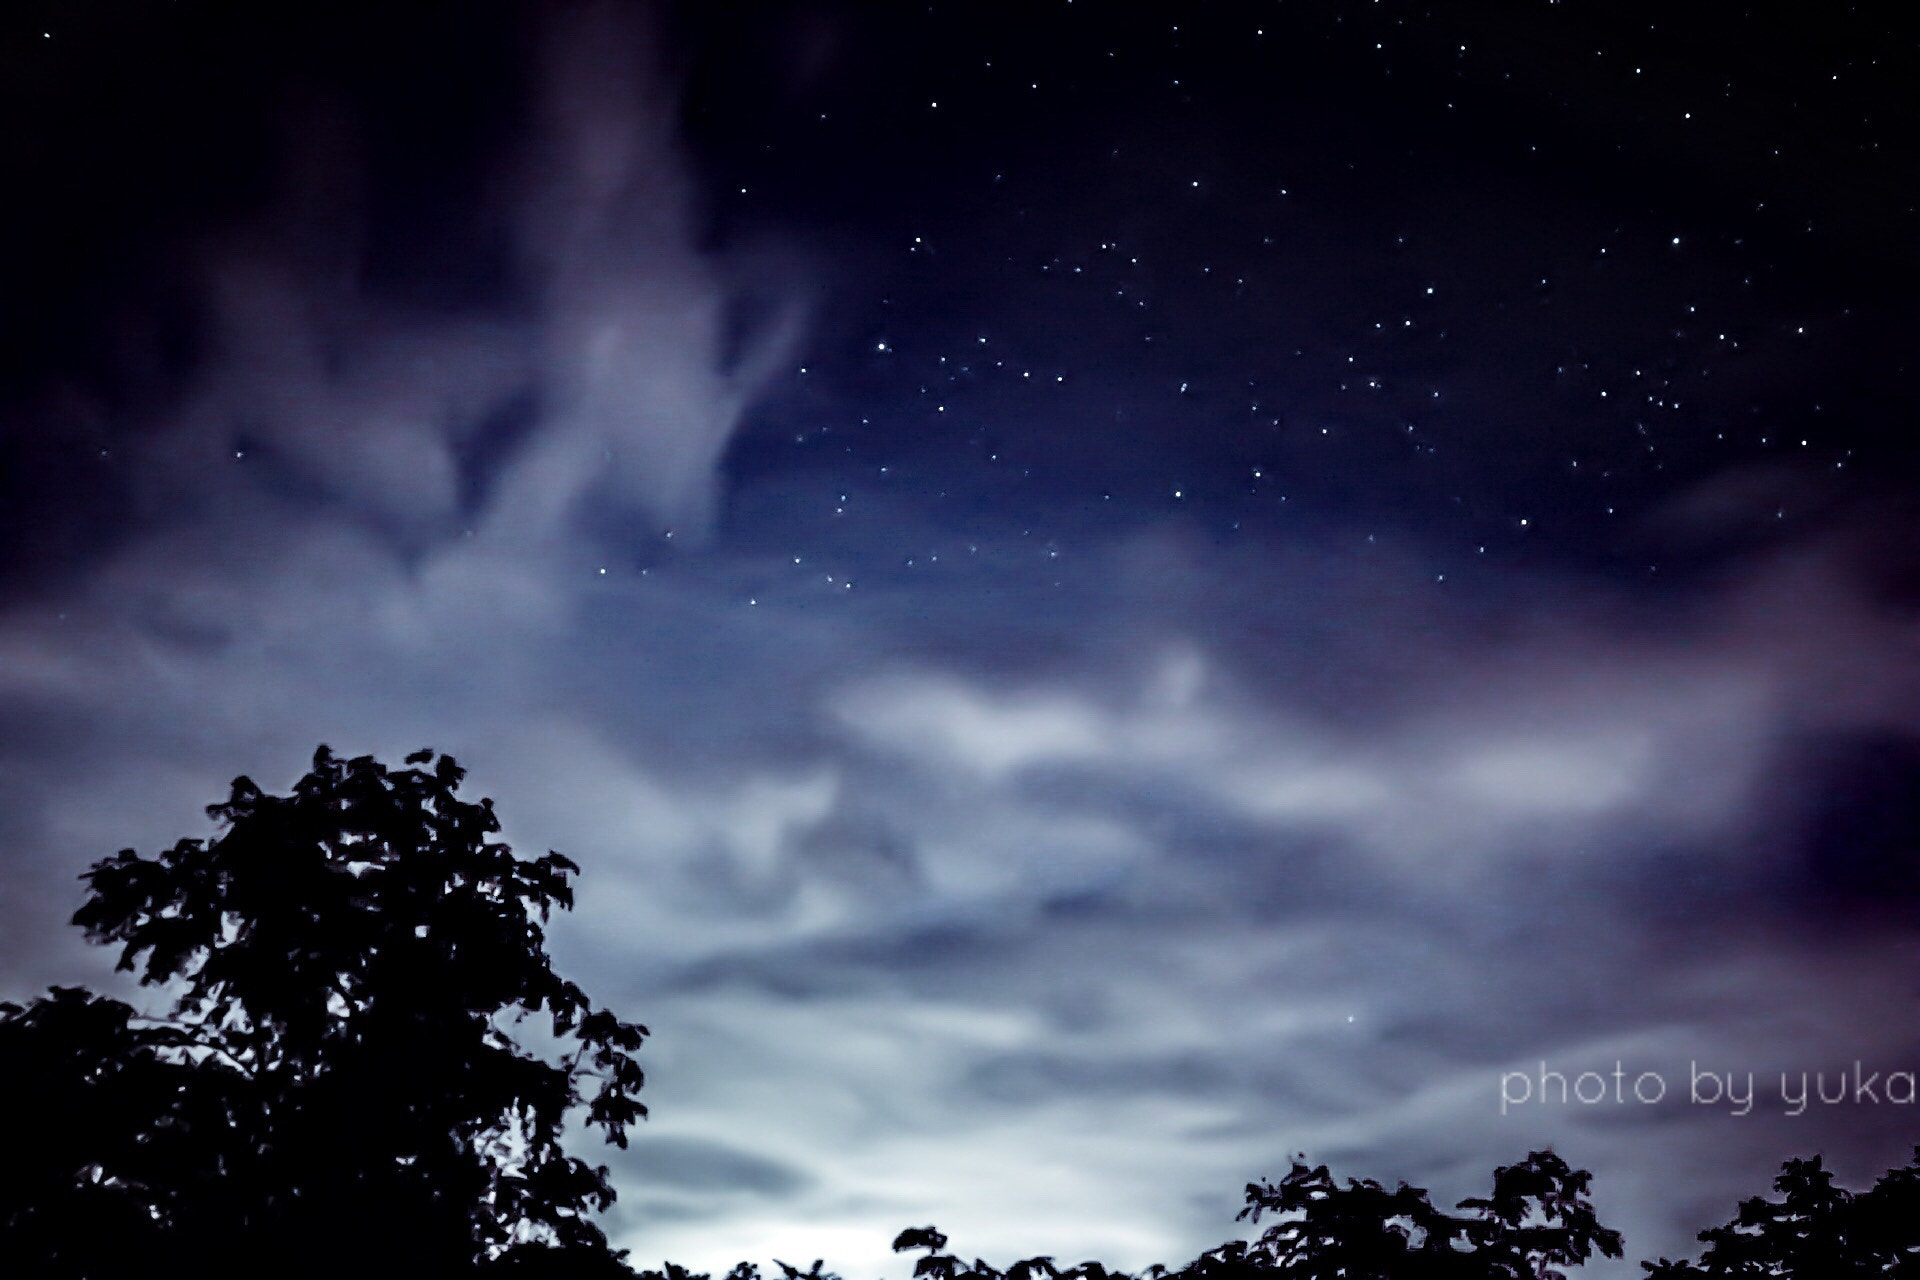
(1105, 594)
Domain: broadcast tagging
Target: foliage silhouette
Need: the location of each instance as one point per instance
(334, 1088)
(1815, 1229)
(1537, 1220)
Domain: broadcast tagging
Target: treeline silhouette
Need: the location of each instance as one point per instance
(341, 1089)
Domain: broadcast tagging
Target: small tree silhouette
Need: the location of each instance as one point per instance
(1537, 1220)
(338, 1089)
(1814, 1230)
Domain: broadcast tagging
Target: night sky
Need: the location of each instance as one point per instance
(1105, 594)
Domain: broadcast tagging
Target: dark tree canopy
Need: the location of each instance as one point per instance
(1537, 1220)
(338, 1087)
(1815, 1231)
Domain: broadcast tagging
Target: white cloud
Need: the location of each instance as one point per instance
(1671, 741)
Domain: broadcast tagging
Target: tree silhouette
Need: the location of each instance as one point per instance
(338, 1088)
(1815, 1229)
(1537, 1220)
